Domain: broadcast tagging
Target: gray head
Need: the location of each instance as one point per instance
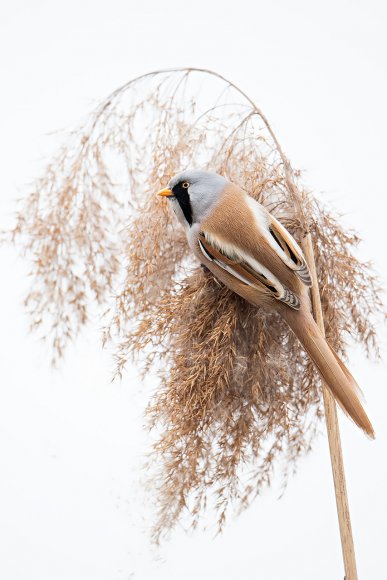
(194, 193)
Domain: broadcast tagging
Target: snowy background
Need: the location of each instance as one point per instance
(71, 442)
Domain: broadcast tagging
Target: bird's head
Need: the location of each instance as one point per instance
(194, 193)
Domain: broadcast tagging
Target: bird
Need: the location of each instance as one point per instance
(248, 250)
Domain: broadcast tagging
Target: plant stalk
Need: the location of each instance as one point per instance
(333, 431)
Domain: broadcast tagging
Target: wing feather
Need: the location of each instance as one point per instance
(280, 240)
(293, 253)
(248, 271)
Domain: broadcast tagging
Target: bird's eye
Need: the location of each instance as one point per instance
(185, 184)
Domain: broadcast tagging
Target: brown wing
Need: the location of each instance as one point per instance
(254, 275)
(239, 222)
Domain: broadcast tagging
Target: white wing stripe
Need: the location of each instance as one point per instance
(283, 293)
(225, 267)
(237, 254)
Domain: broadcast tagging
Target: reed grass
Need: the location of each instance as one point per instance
(237, 397)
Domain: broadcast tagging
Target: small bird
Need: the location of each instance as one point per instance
(254, 255)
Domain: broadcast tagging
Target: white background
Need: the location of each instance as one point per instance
(72, 444)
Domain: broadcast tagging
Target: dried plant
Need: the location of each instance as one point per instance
(237, 395)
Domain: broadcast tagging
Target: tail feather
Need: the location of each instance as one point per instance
(332, 370)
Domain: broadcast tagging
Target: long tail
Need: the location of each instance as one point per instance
(332, 370)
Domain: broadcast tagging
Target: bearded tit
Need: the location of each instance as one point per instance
(253, 254)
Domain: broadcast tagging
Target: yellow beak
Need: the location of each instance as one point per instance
(165, 192)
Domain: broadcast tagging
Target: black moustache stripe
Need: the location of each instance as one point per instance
(182, 196)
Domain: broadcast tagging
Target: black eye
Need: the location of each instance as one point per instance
(185, 184)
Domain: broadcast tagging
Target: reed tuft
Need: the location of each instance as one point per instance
(237, 395)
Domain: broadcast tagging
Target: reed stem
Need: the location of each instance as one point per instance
(333, 431)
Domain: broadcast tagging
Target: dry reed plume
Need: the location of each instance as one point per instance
(237, 394)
